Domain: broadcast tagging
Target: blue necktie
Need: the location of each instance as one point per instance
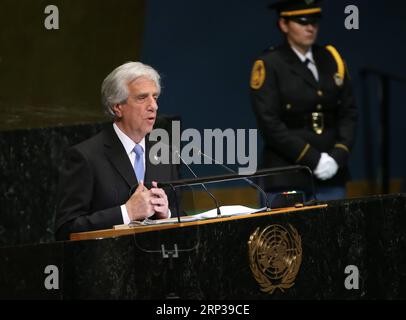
(139, 162)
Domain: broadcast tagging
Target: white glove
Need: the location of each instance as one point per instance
(326, 168)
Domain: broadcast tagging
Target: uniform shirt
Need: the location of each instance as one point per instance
(311, 64)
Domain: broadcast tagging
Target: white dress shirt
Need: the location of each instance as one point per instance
(129, 145)
(308, 56)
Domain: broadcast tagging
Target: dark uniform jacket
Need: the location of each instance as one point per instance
(300, 117)
(96, 179)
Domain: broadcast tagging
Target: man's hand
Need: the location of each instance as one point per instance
(326, 168)
(139, 206)
(159, 201)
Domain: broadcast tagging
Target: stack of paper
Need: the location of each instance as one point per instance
(226, 211)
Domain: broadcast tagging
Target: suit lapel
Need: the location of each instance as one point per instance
(116, 154)
(298, 67)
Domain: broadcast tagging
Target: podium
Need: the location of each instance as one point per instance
(211, 259)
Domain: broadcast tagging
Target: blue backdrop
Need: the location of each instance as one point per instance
(205, 50)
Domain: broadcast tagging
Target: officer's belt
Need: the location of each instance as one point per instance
(316, 121)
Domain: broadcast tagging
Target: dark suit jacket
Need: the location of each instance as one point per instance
(96, 179)
(283, 106)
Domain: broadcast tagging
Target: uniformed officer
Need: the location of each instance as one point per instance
(301, 95)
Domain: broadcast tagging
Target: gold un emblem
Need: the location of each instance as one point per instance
(275, 255)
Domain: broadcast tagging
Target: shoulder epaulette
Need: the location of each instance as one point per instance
(339, 61)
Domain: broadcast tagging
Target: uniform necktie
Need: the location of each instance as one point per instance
(139, 162)
(312, 67)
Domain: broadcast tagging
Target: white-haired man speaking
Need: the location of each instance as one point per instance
(98, 175)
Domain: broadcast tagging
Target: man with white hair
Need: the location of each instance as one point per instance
(98, 175)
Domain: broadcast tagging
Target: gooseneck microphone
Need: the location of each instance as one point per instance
(202, 184)
(251, 183)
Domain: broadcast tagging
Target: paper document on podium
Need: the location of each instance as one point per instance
(226, 211)
(235, 210)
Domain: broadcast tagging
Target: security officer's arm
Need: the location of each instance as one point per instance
(266, 104)
(346, 123)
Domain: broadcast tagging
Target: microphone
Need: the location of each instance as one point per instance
(202, 184)
(251, 183)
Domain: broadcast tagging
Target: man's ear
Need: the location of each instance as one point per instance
(117, 108)
(283, 25)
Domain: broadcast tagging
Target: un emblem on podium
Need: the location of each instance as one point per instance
(275, 255)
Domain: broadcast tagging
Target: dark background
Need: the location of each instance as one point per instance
(50, 82)
(205, 51)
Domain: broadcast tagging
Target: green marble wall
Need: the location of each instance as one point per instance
(213, 261)
(53, 77)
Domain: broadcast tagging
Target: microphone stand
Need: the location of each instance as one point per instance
(202, 184)
(251, 183)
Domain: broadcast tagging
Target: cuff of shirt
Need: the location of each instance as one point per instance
(124, 214)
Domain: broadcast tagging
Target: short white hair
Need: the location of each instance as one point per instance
(114, 89)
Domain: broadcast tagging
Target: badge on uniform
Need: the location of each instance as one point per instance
(258, 75)
(338, 80)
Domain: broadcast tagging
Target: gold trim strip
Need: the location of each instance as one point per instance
(302, 154)
(107, 233)
(342, 146)
(299, 12)
(339, 61)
